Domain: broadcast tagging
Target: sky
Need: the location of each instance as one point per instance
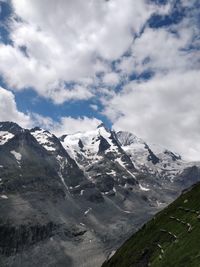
(67, 65)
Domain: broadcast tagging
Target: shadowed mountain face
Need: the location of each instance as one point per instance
(171, 238)
(70, 201)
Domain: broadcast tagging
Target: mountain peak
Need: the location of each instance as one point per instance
(102, 125)
(127, 138)
(35, 129)
(11, 127)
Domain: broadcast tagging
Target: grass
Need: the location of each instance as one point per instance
(170, 239)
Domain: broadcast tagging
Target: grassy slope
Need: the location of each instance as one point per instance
(153, 246)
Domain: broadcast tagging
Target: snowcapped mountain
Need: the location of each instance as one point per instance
(151, 158)
(77, 197)
(99, 154)
(121, 159)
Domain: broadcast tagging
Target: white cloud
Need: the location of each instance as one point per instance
(44, 122)
(9, 111)
(188, 3)
(164, 110)
(69, 125)
(57, 41)
(111, 79)
(161, 50)
(78, 92)
(94, 107)
(66, 125)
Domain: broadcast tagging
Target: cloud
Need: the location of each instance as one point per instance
(39, 120)
(66, 125)
(188, 3)
(111, 79)
(94, 107)
(162, 50)
(9, 111)
(163, 110)
(78, 92)
(54, 43)
(69, 125)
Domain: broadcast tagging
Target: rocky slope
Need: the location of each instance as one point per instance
(171, 238)
(69, 201)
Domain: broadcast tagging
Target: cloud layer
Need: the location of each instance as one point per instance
(55, 43)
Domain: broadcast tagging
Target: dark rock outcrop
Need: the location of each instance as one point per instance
(14, 239)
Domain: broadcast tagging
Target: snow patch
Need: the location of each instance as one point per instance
(43, 138)
(17, 155)
(122, 165)
(4, 197)
(159, 203)
(111, 254)
(112, 172)
(87, 211)
(90, 141)
(143, 188)
(5, 136)
(126, 211)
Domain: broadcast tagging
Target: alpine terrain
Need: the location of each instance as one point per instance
(171, 238)
(73, 200)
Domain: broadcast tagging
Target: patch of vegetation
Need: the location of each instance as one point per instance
(171, 238)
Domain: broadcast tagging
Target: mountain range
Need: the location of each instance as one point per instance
(72, 200)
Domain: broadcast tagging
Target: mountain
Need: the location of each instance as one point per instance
(70, 201)
(151, 158)
(171, 238)
(99, 154)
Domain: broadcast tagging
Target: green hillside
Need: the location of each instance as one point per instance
(170, 239)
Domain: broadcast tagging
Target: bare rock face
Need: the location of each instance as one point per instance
(15, 239)
(71, 201)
